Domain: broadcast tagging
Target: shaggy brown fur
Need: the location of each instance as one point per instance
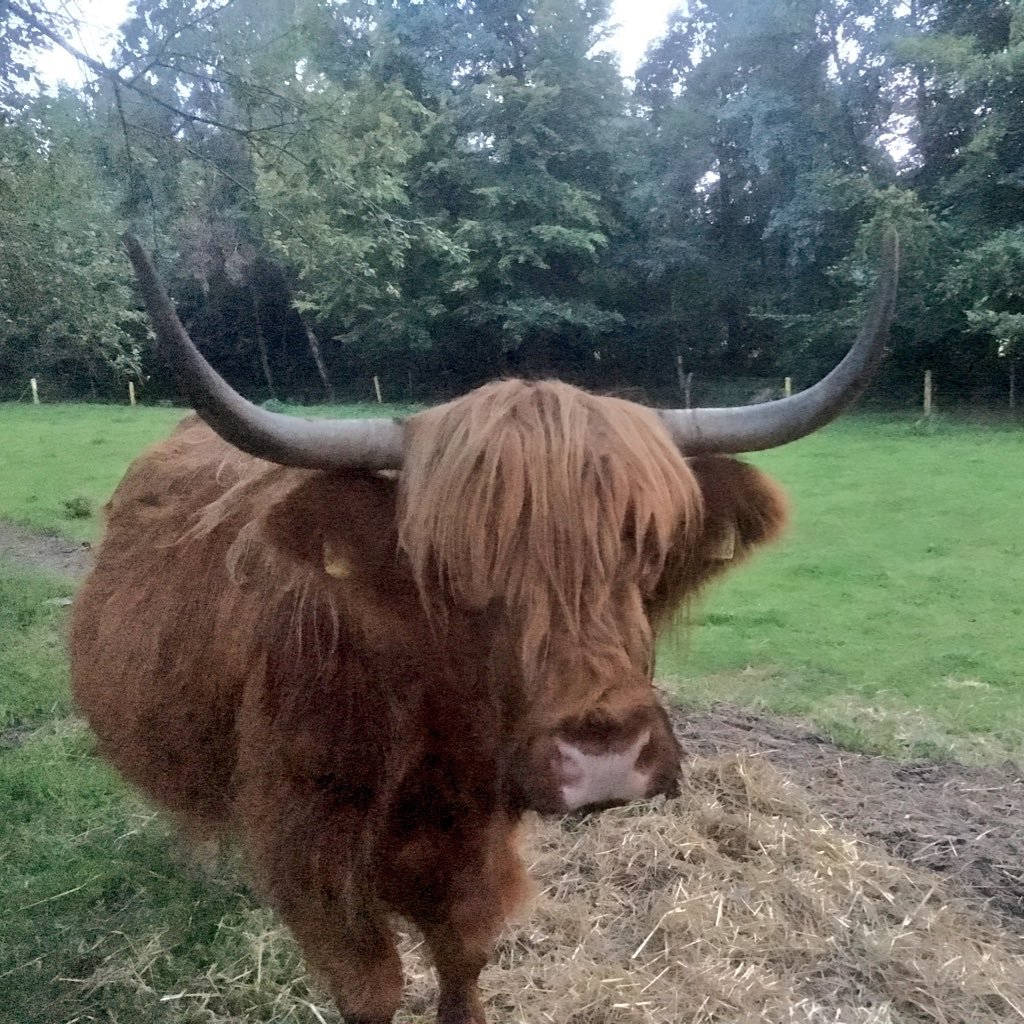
(369, 680)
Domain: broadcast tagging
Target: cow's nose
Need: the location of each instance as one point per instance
(587, 777)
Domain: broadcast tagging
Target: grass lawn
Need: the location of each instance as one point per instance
(79, 851)
(891, 614)
(60, 463)
(98, 912)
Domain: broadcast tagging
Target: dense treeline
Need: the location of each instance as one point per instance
(441, 191)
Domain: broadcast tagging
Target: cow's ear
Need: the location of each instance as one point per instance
(338, 524)
(743, 509)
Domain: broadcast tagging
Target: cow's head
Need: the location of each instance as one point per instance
(570, 525)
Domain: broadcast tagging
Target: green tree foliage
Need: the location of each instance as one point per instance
(987, 284)
(438, 191)
(968, 65)
(530, 215)
(764, 120)
(66, 310)
(520, 168)
(335, 206)
(18, 38)
(967, 165)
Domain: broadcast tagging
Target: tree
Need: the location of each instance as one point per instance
(967, 60)
(523, 172)
(18, 38)
(987, 286)
(265, 149)
(67, 312)
(967, 66)
(765, 127)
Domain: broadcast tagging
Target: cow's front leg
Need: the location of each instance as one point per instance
(459, 957)
(474, 880)
(304, 854)
(358, 959)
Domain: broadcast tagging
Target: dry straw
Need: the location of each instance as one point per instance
(734, 903)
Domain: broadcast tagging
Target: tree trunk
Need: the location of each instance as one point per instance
(318, 358)
(261, 343)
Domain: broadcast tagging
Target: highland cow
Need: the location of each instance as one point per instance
(367, 648)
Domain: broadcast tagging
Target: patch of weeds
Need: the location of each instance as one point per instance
(928, 426)
(78, 507)
(32, 649)
(851, 736)
(932, 750)
(889, 726)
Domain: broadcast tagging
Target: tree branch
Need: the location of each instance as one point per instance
(103, 71)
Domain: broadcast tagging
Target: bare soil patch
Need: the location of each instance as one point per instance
(25, 548)
(963, 822)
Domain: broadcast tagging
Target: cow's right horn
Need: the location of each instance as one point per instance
(287, 440)
(751, 428)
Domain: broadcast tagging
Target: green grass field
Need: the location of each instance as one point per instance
(893, 612)
(60, 463)
(891, 615)
(84, 864)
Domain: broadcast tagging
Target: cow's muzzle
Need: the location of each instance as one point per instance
(587, 766)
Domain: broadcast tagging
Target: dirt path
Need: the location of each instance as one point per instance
(966, 823)
(24, 548)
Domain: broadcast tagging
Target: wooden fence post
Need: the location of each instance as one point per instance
(376, 388)
(788, 386)
(927, 393)
(35, 390)
(131, 392)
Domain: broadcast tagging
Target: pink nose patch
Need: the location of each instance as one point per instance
(611, 776)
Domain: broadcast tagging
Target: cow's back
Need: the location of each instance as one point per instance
(162, 639)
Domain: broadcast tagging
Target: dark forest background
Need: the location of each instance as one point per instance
(442, 191)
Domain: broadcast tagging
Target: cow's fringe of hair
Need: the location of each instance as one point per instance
(538, 495)
(546, 498)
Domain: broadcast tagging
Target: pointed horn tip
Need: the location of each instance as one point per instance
(868, 350)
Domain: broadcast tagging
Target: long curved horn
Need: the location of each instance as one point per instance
(754, 427)
(287, 440)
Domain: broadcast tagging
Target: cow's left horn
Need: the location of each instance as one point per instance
(287, 440)
(767, 425)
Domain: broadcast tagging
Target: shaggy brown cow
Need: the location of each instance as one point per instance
(369, 676)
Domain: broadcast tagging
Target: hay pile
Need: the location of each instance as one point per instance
(737, 903)
(733, 904)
